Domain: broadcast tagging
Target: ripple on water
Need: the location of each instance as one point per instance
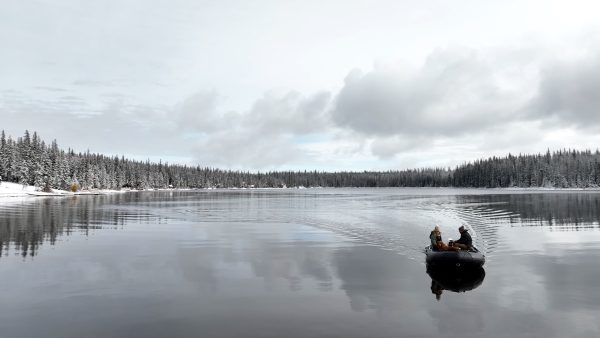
(390, 219)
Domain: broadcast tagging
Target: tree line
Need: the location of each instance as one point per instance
(30, 161)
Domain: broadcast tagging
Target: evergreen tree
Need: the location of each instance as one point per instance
(30, 161)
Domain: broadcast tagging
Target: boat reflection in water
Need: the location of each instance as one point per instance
(454, 279)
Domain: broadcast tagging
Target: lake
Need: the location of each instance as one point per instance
(298, 263)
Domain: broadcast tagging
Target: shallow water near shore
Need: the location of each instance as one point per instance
(297, 263)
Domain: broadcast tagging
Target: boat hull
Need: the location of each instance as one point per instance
(461, 258)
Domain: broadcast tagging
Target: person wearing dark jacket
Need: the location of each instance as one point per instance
(465, 241)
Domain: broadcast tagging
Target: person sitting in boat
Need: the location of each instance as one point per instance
(465, 241)
(437, 243)
(434, 237)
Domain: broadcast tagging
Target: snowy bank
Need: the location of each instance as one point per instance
(8, 189)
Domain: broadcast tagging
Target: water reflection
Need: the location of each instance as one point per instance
(490, 216)
(32, 222)
(566, 210)
(289, 264)
(455, 280)
(26, 226)
(374, 279)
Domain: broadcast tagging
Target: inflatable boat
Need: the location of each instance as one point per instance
(462, 258)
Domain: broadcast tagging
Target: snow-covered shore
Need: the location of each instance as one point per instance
(14, 191)
(8, 189)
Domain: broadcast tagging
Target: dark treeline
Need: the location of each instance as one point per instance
(29, 160)
(560, 169)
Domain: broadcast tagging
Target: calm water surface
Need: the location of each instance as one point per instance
(298, 263)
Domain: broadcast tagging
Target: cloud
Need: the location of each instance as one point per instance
(456, 91)
(111, 127)
(290, 113)
(198, 113)
(50, 89)
(247, 149)
(274, 113)
(262, 137)
(459, 104)
(498, 100)
(388, 147)
(568, 93)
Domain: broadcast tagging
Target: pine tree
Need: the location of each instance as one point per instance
(3, 157)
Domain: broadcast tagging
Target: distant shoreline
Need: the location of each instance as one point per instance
(35, 162)
(10, 190)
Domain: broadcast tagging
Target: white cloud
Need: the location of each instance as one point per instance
(289, 113)
(262, 137)
(388, 147)
(198, 113)
(116, 77)
(247, 149)
(456, 91)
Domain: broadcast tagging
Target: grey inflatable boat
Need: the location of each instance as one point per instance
(463, 258)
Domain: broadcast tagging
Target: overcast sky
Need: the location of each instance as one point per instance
(328, 85)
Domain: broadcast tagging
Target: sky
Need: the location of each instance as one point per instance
(295, 85)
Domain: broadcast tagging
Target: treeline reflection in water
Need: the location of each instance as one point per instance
(27, 224)
(565, 210)
(282, 262)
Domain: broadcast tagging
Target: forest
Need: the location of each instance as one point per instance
(29, 160)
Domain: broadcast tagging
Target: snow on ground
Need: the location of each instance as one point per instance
(8, 189)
